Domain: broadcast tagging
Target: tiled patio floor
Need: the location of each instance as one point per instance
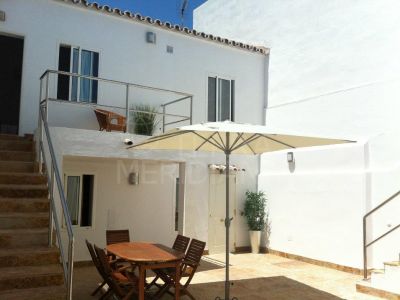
(254, 276)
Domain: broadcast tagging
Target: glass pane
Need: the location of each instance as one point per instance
(212, 99)
(64, 61)
(95, 72)
(176, 204)
(224, 100)
(233, 100)
(75, 69)
(87, 200)
(86, 69)
(73, 183)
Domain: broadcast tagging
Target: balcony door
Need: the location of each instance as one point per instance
(82, 62)
(11, 53)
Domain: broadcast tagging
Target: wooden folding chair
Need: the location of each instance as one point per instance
(180, 244)
(96, 264)
(188, 269)
(115, 237)
(122, 283)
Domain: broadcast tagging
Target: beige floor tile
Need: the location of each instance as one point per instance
(254, 277)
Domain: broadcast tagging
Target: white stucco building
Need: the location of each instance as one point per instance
(333, 70)
(144, 61)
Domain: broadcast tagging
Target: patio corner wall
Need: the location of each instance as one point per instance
(316, 206)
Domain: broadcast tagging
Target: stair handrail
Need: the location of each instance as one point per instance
(365, 244)
(67, 263)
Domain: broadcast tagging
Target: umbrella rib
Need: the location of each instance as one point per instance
(247, 141)
(160, 138)
(237, 139)
(277, 141)
(222, 142)
(207, 141)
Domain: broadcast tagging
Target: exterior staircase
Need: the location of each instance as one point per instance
(383, 283)
(29, 268)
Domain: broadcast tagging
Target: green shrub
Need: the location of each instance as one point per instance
(144, 119)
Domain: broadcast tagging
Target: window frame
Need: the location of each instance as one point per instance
(80, 49)
(80, 175)
(217, 97)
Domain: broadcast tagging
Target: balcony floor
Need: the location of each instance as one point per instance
(255, 276)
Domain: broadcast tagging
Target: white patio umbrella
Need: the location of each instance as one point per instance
(229, 138)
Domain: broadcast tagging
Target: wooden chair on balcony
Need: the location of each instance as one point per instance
(109, 120)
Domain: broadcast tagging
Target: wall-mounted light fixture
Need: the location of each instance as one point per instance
(133, 178)
(170, 49)
(290, 157)
(2, 16)
(150, 37)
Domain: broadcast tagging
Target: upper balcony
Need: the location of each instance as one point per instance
(71, 99)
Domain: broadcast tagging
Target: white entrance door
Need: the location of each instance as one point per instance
(216, 213)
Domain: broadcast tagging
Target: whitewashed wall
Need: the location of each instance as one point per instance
(147, 209)
(131, 206)
(125, 56)
(333, 71)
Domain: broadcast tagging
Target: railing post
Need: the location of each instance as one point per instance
(47, 97)
(191, 110)
(127, 107)
(51, 192)
(163, 119)
(365, 248)
(40, 130)
(70, 268)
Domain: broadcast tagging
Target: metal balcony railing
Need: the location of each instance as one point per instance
(168, 106)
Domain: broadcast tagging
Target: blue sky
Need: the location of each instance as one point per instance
(165, 10)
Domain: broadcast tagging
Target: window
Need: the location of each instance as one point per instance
(220, 99)
(79, 61)
(79, 192)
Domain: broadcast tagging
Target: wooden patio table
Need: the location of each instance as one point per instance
(149, 256)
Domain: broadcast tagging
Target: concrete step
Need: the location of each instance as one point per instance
(42, 293)
(366, 287)
(30, 277)
(17, 155)
(16, 145)
(24, 205)
(23, 190)
(16, 257)
(14, 137)
(16, 166)
(22, 178)
(23, 220)
(27, 237)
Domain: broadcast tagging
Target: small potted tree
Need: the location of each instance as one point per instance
(256, 216)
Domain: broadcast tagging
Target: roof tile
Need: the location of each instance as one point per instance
(168, 26)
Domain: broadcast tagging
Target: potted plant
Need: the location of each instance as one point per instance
(255, 213)
(144, 119)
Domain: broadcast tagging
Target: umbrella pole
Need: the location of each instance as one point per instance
(227, 225)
